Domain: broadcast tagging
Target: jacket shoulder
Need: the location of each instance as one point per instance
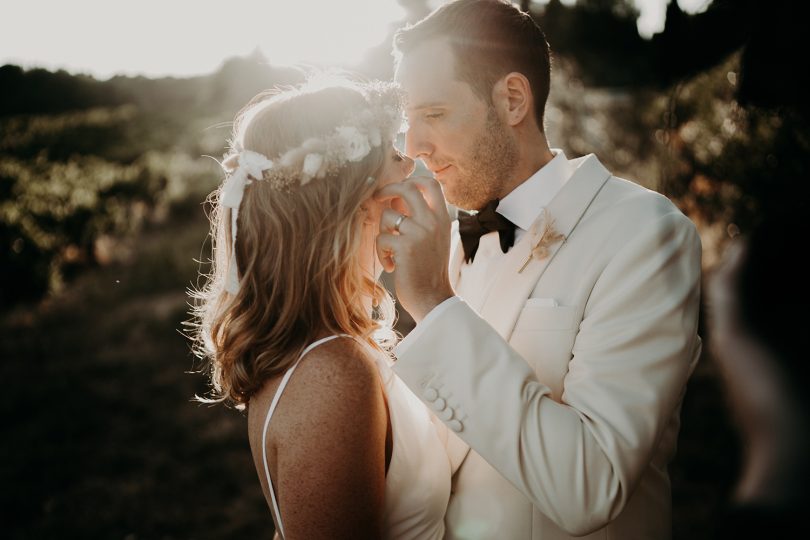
(636, 204)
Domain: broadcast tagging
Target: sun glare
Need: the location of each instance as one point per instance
(189, 37)
(182, 37)
(327, 31)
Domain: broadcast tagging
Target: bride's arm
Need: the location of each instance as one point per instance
(330, 472)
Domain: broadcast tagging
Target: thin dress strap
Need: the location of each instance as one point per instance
(272, 409)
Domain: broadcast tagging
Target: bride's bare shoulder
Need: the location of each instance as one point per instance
(339, 378)
(327, 444)
(341, 361)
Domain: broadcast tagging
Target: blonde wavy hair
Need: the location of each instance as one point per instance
(297, 249)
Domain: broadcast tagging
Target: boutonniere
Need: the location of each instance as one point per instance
(549, 236)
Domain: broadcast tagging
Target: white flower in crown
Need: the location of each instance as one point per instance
(313, 167)
(374, 135)
(356, 145)
(291, 158)
(254, 163)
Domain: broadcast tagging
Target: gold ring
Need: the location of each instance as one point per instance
(399, 221)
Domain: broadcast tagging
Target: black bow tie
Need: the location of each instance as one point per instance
(473, 227)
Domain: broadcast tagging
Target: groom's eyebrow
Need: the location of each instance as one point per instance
(428, 105)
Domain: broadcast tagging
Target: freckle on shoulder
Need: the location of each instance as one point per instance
(340, 365)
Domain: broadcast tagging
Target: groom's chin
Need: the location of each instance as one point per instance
(460, 200)
(452, 197)
(462, 203)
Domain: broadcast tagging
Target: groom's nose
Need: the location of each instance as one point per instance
(417, 144)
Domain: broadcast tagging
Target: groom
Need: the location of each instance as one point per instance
(558, 341)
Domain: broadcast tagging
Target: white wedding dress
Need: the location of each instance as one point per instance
(417, 484)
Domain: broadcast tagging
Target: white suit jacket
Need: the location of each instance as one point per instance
(568, 382)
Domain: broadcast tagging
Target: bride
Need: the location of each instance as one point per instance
(294, 324)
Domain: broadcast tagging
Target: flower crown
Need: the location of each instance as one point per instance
(315, 158)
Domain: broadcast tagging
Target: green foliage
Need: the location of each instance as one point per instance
(724, 163)
(728, 164)
(92, 131)
(84, 164)
(71, 179)
(52, 212)
(39, 91)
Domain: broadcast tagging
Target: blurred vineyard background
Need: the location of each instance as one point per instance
(102, 230)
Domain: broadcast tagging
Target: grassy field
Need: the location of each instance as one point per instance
(101, 437)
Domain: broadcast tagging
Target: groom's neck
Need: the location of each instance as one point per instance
(533, 154)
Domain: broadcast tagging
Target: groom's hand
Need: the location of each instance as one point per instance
(418, 246)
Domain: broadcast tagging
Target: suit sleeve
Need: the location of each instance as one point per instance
(577, 460)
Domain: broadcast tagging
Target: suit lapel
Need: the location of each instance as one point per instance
(512, 286)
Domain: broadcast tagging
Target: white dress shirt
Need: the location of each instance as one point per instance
(521, 206)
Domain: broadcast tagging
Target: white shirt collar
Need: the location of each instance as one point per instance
(524, 203)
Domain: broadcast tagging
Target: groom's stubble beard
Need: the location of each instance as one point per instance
(488, 165)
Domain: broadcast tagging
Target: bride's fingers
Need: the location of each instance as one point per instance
(387, 245)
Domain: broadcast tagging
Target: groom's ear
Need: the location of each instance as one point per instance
(512, 97)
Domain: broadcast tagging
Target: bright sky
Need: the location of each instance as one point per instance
(189, 37)
(653, 13)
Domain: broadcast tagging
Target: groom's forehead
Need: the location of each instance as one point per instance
(427, 75)
(429, 96)
(431, 60)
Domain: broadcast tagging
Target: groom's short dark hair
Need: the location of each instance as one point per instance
(489, 39)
